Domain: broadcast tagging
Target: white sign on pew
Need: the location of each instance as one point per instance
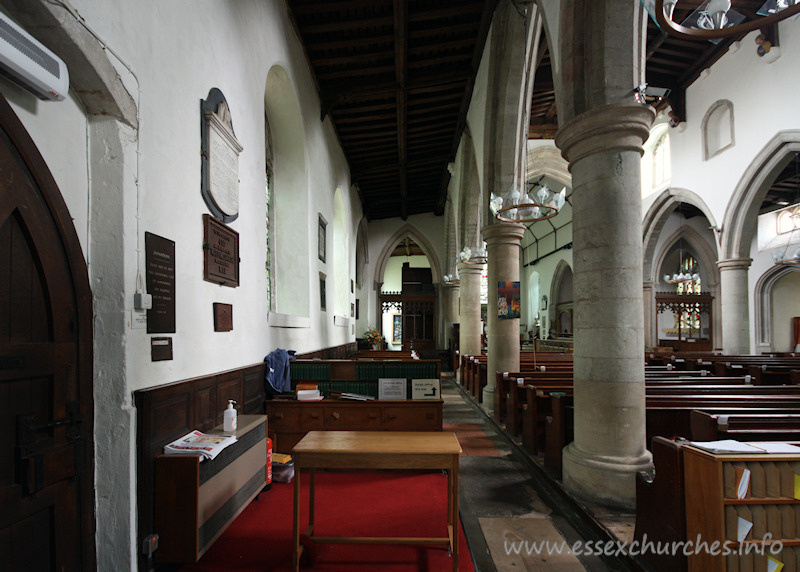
(392, 388)
(425, 389)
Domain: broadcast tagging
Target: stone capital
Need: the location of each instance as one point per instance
(734, 264)
(465, 268)
(615, 127)
(450, 287)
(503, 233)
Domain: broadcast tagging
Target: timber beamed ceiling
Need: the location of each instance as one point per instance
(396, 78)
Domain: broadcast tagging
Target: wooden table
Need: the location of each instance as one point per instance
(373, 450)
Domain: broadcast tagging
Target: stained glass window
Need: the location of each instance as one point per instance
(690, 319)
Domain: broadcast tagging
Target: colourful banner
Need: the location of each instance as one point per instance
(507, 300)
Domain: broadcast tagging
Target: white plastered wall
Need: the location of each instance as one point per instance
(119, 183)
(756, 122)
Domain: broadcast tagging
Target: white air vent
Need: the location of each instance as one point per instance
(29, 64)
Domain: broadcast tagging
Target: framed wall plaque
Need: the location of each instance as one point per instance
(160, 283)
(321, 238)
(223, 317)
(160, 349)
(219, 157)
(221, 257)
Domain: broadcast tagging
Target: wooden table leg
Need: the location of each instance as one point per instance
(454, 513)
(296, 526)
(311, 483)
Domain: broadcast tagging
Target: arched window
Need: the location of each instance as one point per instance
(788, 219)
(289, 212)
(268, 181)
(718, 128)
(662, 163)
(690, 318)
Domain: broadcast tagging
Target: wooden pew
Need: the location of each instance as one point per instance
(774, 374)
(660, 505)
(709, 426)
(534, 406)
(478, 374)
(666, 415)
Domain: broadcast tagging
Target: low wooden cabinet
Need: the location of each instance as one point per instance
(196, 501)
(713, 510)
(290, 420)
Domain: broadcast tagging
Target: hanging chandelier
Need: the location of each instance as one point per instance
(683, 275)
(451, 279)
(538, 202)
(714, 19)
(480, 257)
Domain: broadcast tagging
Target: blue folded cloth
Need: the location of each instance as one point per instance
(277, 371)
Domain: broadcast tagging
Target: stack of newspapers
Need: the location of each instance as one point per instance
(200, 444)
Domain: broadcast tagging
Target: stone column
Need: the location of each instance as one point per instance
(450, 311)
(734, 305)
(503, 246)
(650, 314)
(469, 339)
(449, 315)
(604, 148)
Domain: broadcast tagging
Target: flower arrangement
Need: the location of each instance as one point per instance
(373, 336)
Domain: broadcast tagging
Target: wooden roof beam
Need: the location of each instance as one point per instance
(401, 68)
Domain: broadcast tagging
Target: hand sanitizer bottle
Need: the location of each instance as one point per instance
(230, 417)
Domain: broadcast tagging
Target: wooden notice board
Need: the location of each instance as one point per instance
(223, 317)
(160, 283)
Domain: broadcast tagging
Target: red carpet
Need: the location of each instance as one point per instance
(347, 504)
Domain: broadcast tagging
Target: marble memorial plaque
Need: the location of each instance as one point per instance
(219, 158)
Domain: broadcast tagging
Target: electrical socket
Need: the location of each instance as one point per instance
(142, 301)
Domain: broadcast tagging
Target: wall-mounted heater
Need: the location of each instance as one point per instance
(26, 62)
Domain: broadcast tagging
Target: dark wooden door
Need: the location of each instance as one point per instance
(46, 506)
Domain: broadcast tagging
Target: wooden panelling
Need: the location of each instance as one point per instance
(343, 351)
(169, 411)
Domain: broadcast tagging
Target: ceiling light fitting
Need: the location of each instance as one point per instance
(683, 275)
(467, 257)
(714, 19)
(538, 202)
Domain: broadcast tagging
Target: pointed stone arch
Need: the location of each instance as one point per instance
(707, 258)
(740, 221)
(763, 306)
(415, 235)
(548, 162)
(657, 216)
